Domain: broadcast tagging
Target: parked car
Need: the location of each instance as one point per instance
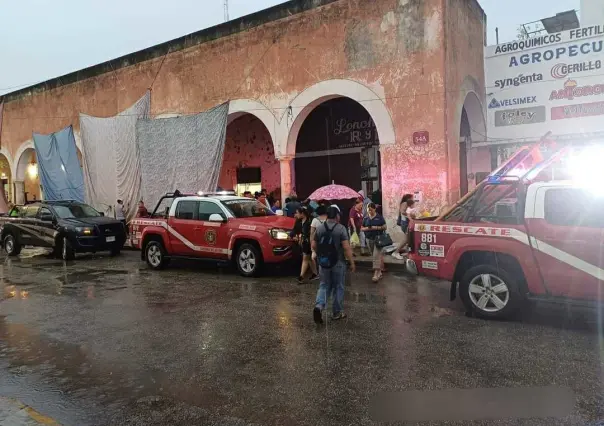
(516, 238)
(68, 227)
(215, 227)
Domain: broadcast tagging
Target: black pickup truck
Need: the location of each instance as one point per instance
(68, 227)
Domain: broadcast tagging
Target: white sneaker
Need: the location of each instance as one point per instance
(398, 256)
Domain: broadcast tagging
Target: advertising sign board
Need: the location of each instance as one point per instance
(553, 82)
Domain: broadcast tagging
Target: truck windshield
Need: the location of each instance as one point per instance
(247, 208)
(77, 211)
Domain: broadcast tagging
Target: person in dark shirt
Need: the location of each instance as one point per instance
(374, 225)
(292, 206)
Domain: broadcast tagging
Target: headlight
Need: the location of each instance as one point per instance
(84, 231)
(280, 234)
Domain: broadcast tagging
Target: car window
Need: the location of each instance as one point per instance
(30, 211)
(75, 210)
(187, 210)
(44, 211)
(574, 207)
(242, 208)
(207, 208)
(497, 204)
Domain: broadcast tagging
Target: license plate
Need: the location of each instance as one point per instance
(110, 239)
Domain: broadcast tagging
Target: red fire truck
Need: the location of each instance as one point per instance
(217, 227)
(534, 229)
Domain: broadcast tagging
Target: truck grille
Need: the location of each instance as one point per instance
(112, 229)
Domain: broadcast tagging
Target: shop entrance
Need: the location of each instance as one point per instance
(338, 142)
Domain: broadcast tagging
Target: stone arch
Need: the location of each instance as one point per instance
(473, 104)
(470, 127)
(303, 104)
(9, 158)
(21, 160)
(239, 107)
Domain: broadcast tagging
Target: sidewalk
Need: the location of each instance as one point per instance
(14, 413)
(392, 264)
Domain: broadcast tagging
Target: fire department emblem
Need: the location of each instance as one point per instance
(211, 237)
(422, 228)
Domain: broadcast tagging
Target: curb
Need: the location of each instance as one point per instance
(390, 266)
(15, 413)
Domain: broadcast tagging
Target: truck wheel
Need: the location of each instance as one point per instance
(155, 255)
(248, 260)
(67, 251)
(490, 292)
(12, 247)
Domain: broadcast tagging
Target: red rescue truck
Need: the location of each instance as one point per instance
(534, 229)
(217, 227)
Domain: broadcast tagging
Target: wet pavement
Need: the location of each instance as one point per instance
(105, 341)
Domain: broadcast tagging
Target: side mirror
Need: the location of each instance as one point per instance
(215, 217)
(46, 217)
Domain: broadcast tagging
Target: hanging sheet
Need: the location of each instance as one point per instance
(58, 165)
(183, 153)
(111, 162)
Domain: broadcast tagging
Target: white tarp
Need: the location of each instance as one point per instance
(111, 162)
(183, 153)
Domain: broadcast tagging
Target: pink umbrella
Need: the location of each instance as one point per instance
(334, 192)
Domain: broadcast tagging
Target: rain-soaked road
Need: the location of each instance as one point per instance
(106, 341)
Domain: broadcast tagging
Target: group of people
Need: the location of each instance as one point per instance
(326, 245)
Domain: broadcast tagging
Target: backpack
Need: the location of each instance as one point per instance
(327, 253)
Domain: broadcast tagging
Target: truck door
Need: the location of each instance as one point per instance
(212, 237)
(567, 233)
(28, 226)
(183, 224)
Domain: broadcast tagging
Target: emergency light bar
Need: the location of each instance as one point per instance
(215, 194)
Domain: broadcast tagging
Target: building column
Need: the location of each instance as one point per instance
(19, 192)
(287, 177)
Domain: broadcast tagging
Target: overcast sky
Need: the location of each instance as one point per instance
(41, 39)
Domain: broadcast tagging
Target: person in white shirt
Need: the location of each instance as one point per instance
(406, 212)
(119, 212)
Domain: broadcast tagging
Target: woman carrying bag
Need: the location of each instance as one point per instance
(374, 227)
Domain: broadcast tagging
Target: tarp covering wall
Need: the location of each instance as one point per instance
(59, 167)
(183, 153)
(111, 161)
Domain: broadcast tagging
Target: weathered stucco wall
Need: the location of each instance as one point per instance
(465, 27)
(395, 48)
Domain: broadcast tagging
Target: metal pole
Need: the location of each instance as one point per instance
(226, 10)
(496, 35)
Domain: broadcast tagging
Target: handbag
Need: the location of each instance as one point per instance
(383, 240)
(354, 240)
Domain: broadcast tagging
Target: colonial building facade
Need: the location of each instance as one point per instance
(374, 94)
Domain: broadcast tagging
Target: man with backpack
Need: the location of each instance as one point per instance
(332, 245)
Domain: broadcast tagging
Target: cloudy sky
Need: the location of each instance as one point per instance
(41, 39)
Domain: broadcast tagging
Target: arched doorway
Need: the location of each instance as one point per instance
(27, 182)
(6, 178)
(337, 142)
(474, 163)
(249, 162)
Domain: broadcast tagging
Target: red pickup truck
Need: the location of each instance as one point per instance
(213, 227)
(518, 236)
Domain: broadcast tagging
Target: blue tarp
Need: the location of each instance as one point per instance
(59, 168)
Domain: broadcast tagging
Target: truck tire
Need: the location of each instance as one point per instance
(11, 245)
(67, 251)
(155, 255)
(490, 292)
(248, 260)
